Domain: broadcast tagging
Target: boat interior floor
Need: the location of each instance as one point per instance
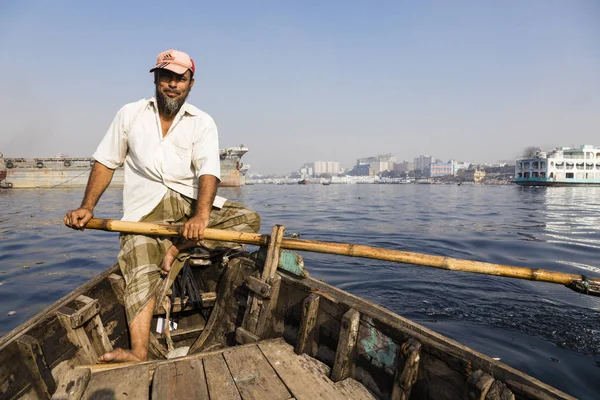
(269, 369)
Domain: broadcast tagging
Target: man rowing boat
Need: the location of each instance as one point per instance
(170, 150)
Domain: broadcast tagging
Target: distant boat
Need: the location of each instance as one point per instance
(303, 182)
(326, 183)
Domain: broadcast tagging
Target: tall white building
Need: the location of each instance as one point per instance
(326, 167)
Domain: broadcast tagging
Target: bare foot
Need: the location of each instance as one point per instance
(167, 261)
(119, 355)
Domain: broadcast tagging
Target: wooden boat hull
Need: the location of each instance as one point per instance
(384, 353)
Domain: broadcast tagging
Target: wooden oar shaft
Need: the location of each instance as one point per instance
(352, 250)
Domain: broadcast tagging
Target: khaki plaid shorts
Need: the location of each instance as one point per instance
(140, 255)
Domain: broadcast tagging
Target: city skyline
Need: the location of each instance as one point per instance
(466, 80)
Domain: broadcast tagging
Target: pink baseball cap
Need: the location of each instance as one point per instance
(176, 61)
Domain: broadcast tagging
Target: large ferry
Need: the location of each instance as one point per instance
(73, 172)
(564, 166)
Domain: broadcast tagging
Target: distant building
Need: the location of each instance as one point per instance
(422, 163)
(306, 171)
(440, 168)
(380, 163)
(404, 166)
(363, 170)
(458, 165)
(471, 175)
(326, 167)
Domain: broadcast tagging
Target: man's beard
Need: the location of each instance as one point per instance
(167, 106)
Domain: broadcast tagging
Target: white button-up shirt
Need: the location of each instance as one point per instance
(154, 163)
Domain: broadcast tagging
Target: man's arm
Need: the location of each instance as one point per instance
(99, 179)
(193, 229)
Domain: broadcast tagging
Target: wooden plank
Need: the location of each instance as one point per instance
(72, 385)
(259, 287)
(407, 370)
(180, 380)
(255, 302)
(118, 285)
(220, 382)
(267, 325)
(98, 336)
(352, 389)
(223, 320)
(310, 309)
(88, 308)
(479, 384)
(302, 379)
(36, 363)
(273, 249)
(242, 336)
(153, 364)
(77, 336)
(15, 377)
(124, 383)
(253, 375)
(346, 344)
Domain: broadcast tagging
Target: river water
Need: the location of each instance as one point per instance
(545, 330)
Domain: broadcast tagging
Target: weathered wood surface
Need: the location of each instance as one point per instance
(224, 318)
(255, 301)
(268, 324)
(87, 309)
(72, 385)
(124, 383)
(153, 364)
(479, 384)
(304, 381)
(97, 334)
(33, 357)
(242, 336)
(440, 356)
(345, 347)
(407, 370)
(220, 382)
(259, 287)
(180, 380)
(499, 391)
(306, 332)
(253, 375)
(78, 337)
(352, 389)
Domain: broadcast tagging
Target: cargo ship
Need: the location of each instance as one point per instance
(73, 172)
(564, 166)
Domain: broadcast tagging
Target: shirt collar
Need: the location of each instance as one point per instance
(187, 108)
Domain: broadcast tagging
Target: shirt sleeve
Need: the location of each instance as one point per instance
(112, 150)
(205, 150)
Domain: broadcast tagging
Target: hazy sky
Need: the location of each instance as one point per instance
(300, 81)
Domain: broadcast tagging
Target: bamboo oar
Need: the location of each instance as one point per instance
(579, 283)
